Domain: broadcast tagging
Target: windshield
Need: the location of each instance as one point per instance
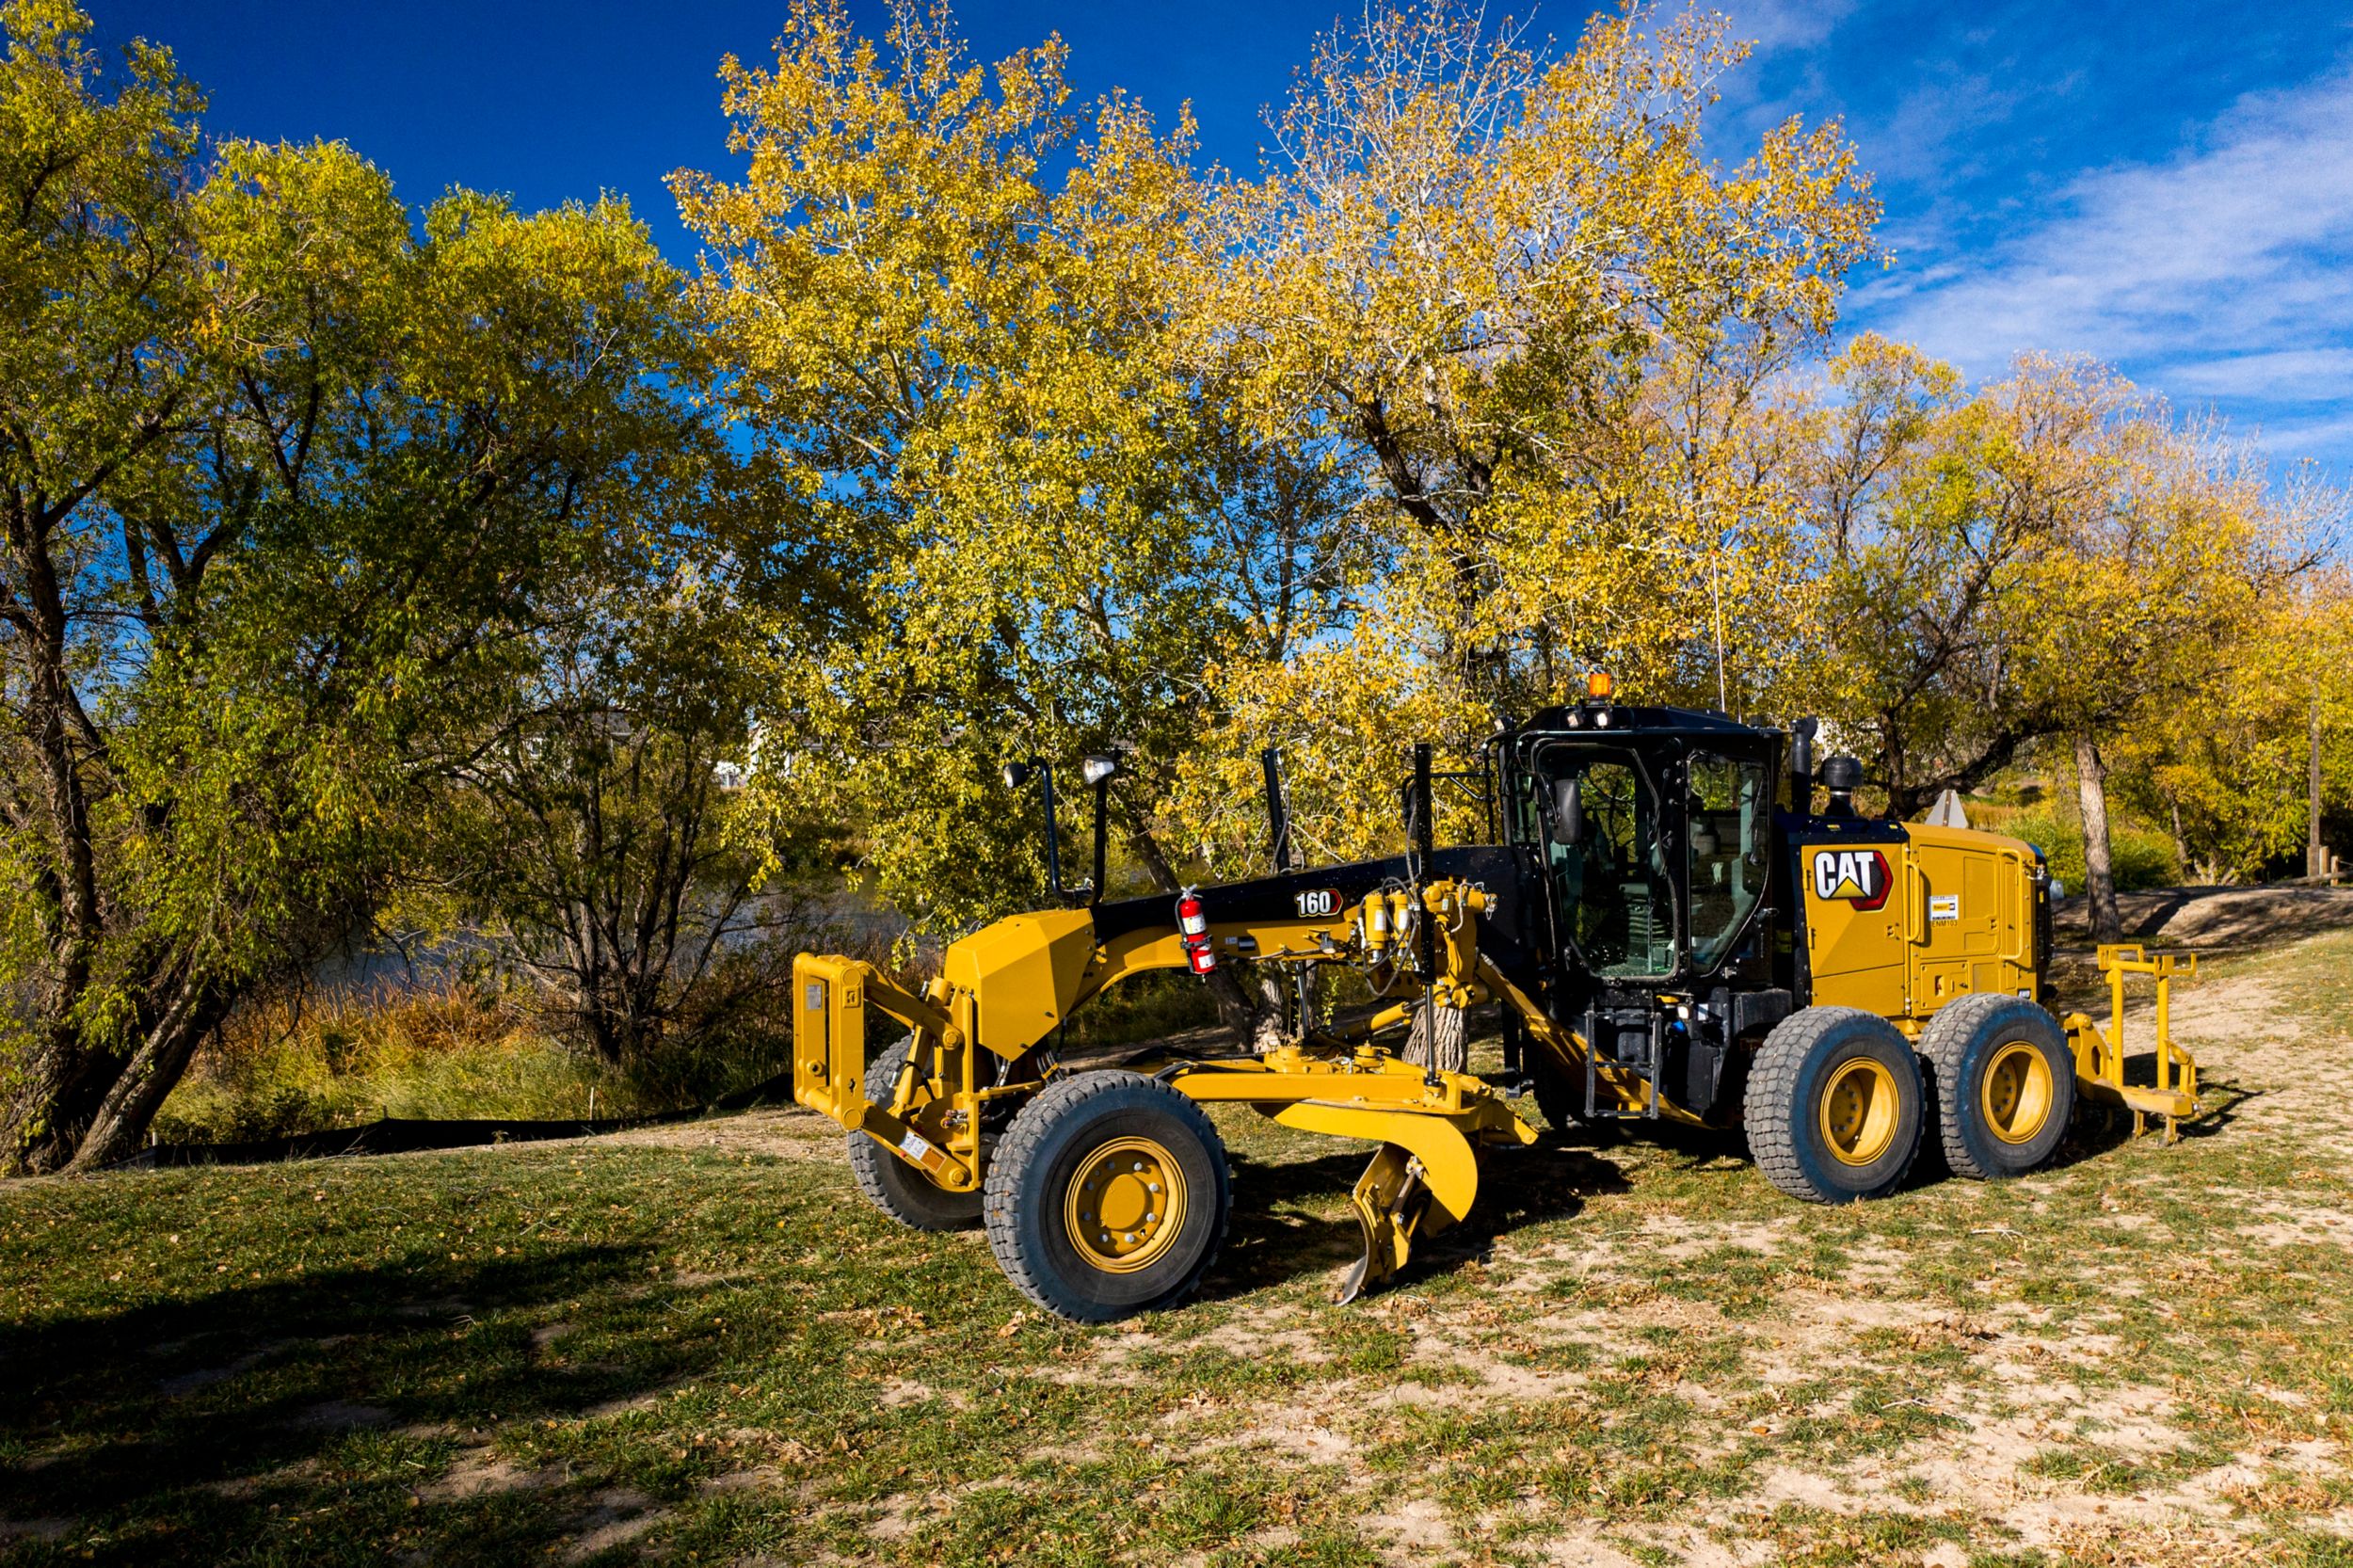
(1616, 900)
(1729, 805)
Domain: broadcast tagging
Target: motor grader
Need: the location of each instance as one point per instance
(1665, 927)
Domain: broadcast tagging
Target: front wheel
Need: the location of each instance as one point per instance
(889, 1182)
(1833, 1106)
(2004, 1083)
(1106, 1197)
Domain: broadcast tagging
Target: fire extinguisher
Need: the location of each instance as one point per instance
(1192, 929)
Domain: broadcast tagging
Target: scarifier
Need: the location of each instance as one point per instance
(1667, 929)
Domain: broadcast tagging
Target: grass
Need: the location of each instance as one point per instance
(699, 1347)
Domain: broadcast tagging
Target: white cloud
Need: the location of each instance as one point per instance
(1777, 25)
(2284, 372)
(2219, 273)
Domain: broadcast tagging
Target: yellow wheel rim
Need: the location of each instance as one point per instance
(2016, 1095)
(1126, 1205)
(1860, 1111)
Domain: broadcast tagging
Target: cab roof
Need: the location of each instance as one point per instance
(1624, 717)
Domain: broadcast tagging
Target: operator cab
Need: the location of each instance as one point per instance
(1651, 835)
(1655, 828)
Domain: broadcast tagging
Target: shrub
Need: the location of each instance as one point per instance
(2141, 858)
(445, 1049)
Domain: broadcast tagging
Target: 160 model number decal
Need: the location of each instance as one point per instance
(1317, 902)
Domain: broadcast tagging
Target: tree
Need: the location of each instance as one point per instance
(591, 828)
(1521, 295)
(279, 474)
(2226, 765)
(1042, 525)
(2049, 560)
(1516, 297)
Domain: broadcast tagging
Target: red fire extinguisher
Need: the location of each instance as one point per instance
(1192, 929)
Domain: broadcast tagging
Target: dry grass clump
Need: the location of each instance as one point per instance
(445, 1049)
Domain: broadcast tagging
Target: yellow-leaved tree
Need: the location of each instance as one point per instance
(2051, 562)
(1521, 298)
(951, 304)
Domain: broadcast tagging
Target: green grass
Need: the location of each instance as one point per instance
(706, 1350)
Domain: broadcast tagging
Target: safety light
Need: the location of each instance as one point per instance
(1597, 686)
(1192, 929)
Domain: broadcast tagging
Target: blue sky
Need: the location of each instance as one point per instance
(2167, 187)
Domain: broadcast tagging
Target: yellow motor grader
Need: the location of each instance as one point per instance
(1666, 930)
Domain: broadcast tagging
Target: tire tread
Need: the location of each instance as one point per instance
(1020, 1146)
(1772, 1090)
(1943, 1045)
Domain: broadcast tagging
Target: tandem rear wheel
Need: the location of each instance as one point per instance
(1834, 1106)
(2003, 1083)
(1108, 1196)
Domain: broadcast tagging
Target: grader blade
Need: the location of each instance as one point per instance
(1389, 1200)
(1424, 1179)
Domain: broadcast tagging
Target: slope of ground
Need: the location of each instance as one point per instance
(696, 1345)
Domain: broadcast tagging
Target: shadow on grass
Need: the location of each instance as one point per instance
(194, 1431)
(1274, 1235)
(2101, 1129)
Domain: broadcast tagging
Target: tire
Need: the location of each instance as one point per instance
(2002, 1081)
(1155, 1155)
(1559, 1097)
(889, 1183)
(1834, 1106)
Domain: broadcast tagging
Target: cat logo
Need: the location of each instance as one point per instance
(1858, 876)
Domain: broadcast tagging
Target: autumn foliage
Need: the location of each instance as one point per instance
(367, 567)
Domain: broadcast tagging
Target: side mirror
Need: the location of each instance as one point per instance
(1568, 811)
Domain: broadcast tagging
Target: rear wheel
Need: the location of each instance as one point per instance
(889, 1183)
(1833, 1106)
(2003, 1081)
(1106, 1197)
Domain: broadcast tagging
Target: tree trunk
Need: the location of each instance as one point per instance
(2315, 858)
(58, 1092)
(2091, 789)
(148, 1079)
(1445, 1046)
(1266, 1030)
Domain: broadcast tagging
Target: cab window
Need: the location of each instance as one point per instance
(1615, 896)
(1727, 815)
